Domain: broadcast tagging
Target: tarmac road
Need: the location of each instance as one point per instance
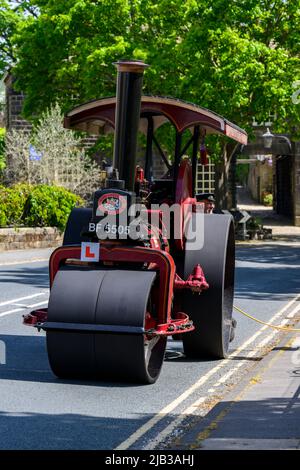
(39, 411)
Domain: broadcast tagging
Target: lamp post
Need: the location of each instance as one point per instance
(268, 139)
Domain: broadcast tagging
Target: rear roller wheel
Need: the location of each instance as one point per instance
(118, 298)
(211, 311)
(78, 221)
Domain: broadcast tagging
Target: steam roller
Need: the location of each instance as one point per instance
(145, 262)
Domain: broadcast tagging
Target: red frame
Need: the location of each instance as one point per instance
(158, 259)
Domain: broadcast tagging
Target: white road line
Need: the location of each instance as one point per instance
(19, 305)
(13, 301)
(293, 312)
(38, 304)
(171, 406)
(27, 261)
(8, 312)
(16, 310)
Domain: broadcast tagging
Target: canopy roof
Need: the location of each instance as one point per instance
(98, 117)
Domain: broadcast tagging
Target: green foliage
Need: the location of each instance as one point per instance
(242, 172)
(103, 148)
(12, 14)
(238, 58)
(51, 155)
(267, 199)
(49, 206)
(12, 202)
(41, 205)
(254, 223)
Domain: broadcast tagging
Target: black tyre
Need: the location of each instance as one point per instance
(118, 298)
(211, 311)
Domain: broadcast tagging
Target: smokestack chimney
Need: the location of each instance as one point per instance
(128, 107)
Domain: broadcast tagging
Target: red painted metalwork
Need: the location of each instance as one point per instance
(196, 281)
(180, 324)
(160, 260)
(184, 182)
(139, 175)
(92, 116)
(156, 259)
(184, 197)
(157, 232)
(37, 316)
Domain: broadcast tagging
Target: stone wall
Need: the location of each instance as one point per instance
(29, 237)
(260, 179)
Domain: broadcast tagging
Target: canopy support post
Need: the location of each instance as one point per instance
(196, 138)
(149, 159)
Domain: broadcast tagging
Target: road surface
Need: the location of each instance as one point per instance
(39, 411)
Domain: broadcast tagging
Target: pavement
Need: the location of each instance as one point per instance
(282, 227)
(263, 412)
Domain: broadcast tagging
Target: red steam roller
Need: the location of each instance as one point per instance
(144, 262)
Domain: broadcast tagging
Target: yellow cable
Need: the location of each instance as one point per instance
(264, 323)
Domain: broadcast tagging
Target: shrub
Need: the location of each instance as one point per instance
(12, 202)
(49, 206)
(40, 205)
(268, 199)
(50, 155)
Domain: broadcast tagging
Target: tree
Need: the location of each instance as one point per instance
(8, 24)
(248, 58)
(12, 14)
(238, 58)
(50, 155)
(70, 43)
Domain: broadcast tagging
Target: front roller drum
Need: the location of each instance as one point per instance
(113, 303)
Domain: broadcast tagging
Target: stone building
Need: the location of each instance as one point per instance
(13, 106)
(260, 178)
(285, 173)
(12, 114)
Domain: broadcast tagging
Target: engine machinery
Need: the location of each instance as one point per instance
(122, 283)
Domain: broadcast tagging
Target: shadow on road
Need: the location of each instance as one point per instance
(27, 360)
(259, 272)
(270, 253)
(244, 424)
(28, 275)
(40, 431)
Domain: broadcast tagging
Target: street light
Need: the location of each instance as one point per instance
(268, 139)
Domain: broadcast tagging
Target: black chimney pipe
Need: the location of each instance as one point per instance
(128, 107)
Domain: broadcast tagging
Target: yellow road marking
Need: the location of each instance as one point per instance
(171, 406)
(253, 381)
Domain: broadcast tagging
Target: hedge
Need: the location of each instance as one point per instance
(36, 206)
